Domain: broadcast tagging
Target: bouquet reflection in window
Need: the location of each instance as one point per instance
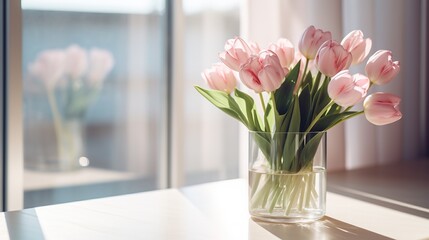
(78, 75)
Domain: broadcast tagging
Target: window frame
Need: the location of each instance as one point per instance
(11, 107)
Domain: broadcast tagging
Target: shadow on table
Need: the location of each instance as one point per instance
(23, 225)
(325, 228)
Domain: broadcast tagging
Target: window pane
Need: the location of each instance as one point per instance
(211, 137)
(94, 99)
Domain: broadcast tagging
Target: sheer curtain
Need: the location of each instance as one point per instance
(392, 25)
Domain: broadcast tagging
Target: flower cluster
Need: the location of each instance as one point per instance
(315, 80)
(80, 73)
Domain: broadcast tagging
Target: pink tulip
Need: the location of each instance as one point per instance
(311, 40)
(382, 108)
(48, 67)
(263, 72)
(76, 61)
(285, 51)
(101, 63)
(357, 46)
(220, 77)
(347, 90)
(332, 58)
(254, 48)
(236, 53)
(380, 67)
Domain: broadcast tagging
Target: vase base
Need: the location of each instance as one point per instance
(53, 166)
(286, 220)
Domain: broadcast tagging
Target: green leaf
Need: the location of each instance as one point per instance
(263, 140)
(329, 121)
(316, 83)
(246, 105)
(283, 96)
(224, 102)
(269, 117)
(305, 107)
(288, 145)
(295, 122)
(321, 99)
(78, 100)
(309, 80)
(335, 108)
(309, 150)
(258, 124)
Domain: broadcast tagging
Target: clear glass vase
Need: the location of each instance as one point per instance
(70, 145)
(62, 147)
(287, 176)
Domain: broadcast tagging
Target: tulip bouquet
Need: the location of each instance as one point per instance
(307, 91)
(72, 78)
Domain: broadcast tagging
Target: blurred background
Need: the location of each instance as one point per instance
(123, 129)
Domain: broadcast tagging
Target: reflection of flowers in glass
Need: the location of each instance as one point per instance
(73, 78)
(80, 73)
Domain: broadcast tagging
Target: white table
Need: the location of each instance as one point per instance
(208, 211)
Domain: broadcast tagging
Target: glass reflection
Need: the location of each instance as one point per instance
(94, 89)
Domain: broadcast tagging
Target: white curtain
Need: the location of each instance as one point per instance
(392, 25)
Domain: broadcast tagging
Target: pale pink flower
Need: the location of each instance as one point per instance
(332, 58)
(347, 90)
(285, 51)
(254, 48)
(311, 40)
(236, 53)
(76, 62)
(48, 67)
(263, 72)
(357, 46)
(100, 64)
(382, 108)
(380, 67)
(220, 77)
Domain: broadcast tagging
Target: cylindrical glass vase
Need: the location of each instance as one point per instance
(287, 176)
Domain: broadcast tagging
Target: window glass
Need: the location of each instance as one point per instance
(94, 98)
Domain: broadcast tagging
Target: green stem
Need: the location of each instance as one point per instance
(319, 116)
(58, 126)
(267, 126)
(273, 100)
(344, 119)
(262, 101)
(305, 71)
(55, 114)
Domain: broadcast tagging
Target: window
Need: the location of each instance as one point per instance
(94, 99)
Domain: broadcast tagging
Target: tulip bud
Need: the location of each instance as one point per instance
(48, 67)
(285, 51)
(382, 108)
(332, 58)
(220, 77)
(236, 53)
(311, 41)
(254, 48)
(101, 63)
(380, 67)
(357, 46)
(347, 90)
(263, 72)
(76, 62)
